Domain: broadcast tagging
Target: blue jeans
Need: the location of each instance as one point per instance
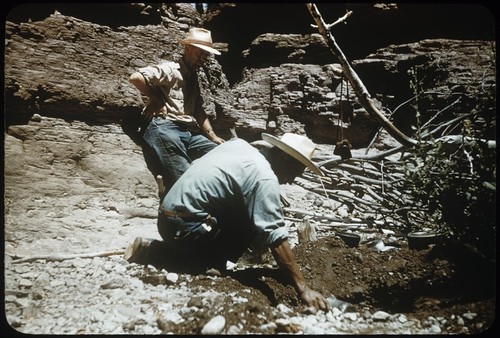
(174, 147)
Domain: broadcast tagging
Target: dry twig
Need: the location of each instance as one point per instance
(61, 257)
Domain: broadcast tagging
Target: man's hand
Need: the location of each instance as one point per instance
(316, 299)
(211, 135)
(216, 139)
(154, 107)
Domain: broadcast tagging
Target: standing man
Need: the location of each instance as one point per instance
(177, 129)
(230, 199)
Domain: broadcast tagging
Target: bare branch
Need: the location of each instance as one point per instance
(358, 86)
(339, 20)
(379, 156)
(60, 257)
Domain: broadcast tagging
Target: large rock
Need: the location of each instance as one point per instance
(68, 68)
(370, 27)
(61, 175)
(283, 90)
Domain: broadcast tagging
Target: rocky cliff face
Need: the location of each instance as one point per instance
(70, 142)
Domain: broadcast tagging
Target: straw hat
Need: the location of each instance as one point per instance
(201, 38)
(299, 147)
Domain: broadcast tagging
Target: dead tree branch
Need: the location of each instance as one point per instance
(322, 217)
(353, 78)
(335, 161)
(339, 20)
(60, 257)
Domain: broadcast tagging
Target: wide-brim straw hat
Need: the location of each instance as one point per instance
(299, 147)
(201, 38)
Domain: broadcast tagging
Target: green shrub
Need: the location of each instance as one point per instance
(456, 185)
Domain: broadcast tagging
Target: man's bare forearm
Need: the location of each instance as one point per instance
(286, 260)
(206, 128)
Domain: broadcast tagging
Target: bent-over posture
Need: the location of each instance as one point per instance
(230, 198)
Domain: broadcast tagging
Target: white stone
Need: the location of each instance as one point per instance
(436, 328)
(469, 315)
(214, 326)
(80, 263)
(265, 327)
(233, 329)
(351, 315)
(172, 277)
(283, 308)
(402, 318)
(25, 282)
(381, 316)
(57, 282)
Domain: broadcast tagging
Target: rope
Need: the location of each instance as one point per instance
(341, 120)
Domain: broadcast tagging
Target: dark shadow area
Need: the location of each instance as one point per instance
(263, 279)
(370, 27)
(270, 281)
(107, 14)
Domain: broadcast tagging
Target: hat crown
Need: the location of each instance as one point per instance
(201, 38)
(299, 147)
(300, 143)
(199, 35)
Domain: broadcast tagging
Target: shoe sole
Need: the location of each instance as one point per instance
(132, 250)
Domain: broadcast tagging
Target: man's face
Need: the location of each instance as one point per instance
(286, 167)
(195, 56)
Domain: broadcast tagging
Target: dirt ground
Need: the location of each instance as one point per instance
(439, 281)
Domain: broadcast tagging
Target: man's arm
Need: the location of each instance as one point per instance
(155, 103)
(206, 128)
(286, 260)
(204, 122)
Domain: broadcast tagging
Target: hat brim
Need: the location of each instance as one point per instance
(199, 45)
(274, 141)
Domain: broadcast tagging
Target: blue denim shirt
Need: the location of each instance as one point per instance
(234, 175)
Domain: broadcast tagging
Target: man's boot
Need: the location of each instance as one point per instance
(139, 251)
(155, 252)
